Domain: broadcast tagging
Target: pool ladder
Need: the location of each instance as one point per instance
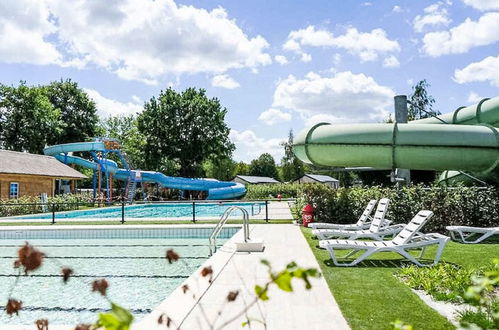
(223, 219)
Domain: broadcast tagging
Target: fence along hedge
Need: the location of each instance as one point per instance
(14, 207)
(466, 206)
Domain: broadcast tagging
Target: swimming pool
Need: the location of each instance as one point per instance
(131, 260)
(166, 210)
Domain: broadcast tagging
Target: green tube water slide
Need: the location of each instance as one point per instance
(461, 143)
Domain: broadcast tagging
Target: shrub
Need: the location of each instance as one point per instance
(467, 206)
(264, 191)
(15, 207)
(444, 281)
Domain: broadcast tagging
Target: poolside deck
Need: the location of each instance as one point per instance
(302, 309)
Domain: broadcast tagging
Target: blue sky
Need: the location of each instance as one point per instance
(276, 65)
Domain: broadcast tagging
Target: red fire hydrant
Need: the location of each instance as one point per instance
(307, 215)
(279, 197)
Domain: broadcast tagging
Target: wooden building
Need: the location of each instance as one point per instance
(316, 178)
(24, 174)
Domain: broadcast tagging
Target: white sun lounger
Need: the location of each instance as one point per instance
(377, 230)
(466, 232)
(408, 239)
(363, 223)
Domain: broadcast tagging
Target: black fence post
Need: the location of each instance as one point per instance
(122, 211)
(266, 210)
(53, 214)
(193, 211)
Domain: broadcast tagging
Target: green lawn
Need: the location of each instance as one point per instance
(370, 296)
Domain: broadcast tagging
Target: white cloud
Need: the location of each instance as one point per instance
(322, 118)
(108, 107)
(367, 4)
(485, 70)
(435, 15)
(136, 99)
(291, 45)
(281, 59)
(249, 145)
(366, 45)
(397, 9)
(391, 62)
(24, 27)
(345, 96)
(463, 37)
(306, 57)
(474, 97)
(136, 39)
(336, 59)
(224, 81)
(483, 4)
(274, 116)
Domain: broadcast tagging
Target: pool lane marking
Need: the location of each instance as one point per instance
(108, 257)
(78, 309)
(97, 275)
(112, 245)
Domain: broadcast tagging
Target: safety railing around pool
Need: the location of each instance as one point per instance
(152, 211)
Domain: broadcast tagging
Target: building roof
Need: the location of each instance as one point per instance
(322, 178)
(13, 162)
(257, 179)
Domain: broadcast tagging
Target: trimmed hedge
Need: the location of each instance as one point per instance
(264, 191)
(467, 206)
(14, 207)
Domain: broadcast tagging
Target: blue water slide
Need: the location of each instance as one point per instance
(216, 189)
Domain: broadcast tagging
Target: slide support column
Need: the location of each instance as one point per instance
(399, 175)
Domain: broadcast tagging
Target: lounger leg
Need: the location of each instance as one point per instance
(483, 237)
(441, 246)
(421, 253)
(354, 262)
(409, 256)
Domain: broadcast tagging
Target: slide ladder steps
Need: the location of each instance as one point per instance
(131, 188)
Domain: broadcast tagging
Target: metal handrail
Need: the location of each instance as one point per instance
(253, 209)
(223, 219)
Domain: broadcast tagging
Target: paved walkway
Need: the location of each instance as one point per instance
(302, 309)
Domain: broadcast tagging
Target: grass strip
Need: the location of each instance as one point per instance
(370, 296)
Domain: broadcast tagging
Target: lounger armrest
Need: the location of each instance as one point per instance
(437, 236)
(421, 237)
(387, 223)
(397, 226)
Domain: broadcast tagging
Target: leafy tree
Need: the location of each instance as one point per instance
(264, 166)
(29, 121)
(124, 128)
(291, 167)
(220, 168)
(78, 113)
(421, 103)
(420, 100)
(185, 128)
(242, 169)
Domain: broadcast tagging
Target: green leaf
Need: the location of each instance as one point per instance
(261, 293)
(245, 323)
(118, 319)
(283, 281)
(291, 265)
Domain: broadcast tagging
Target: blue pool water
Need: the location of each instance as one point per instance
(170, 210)
(139, 276)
